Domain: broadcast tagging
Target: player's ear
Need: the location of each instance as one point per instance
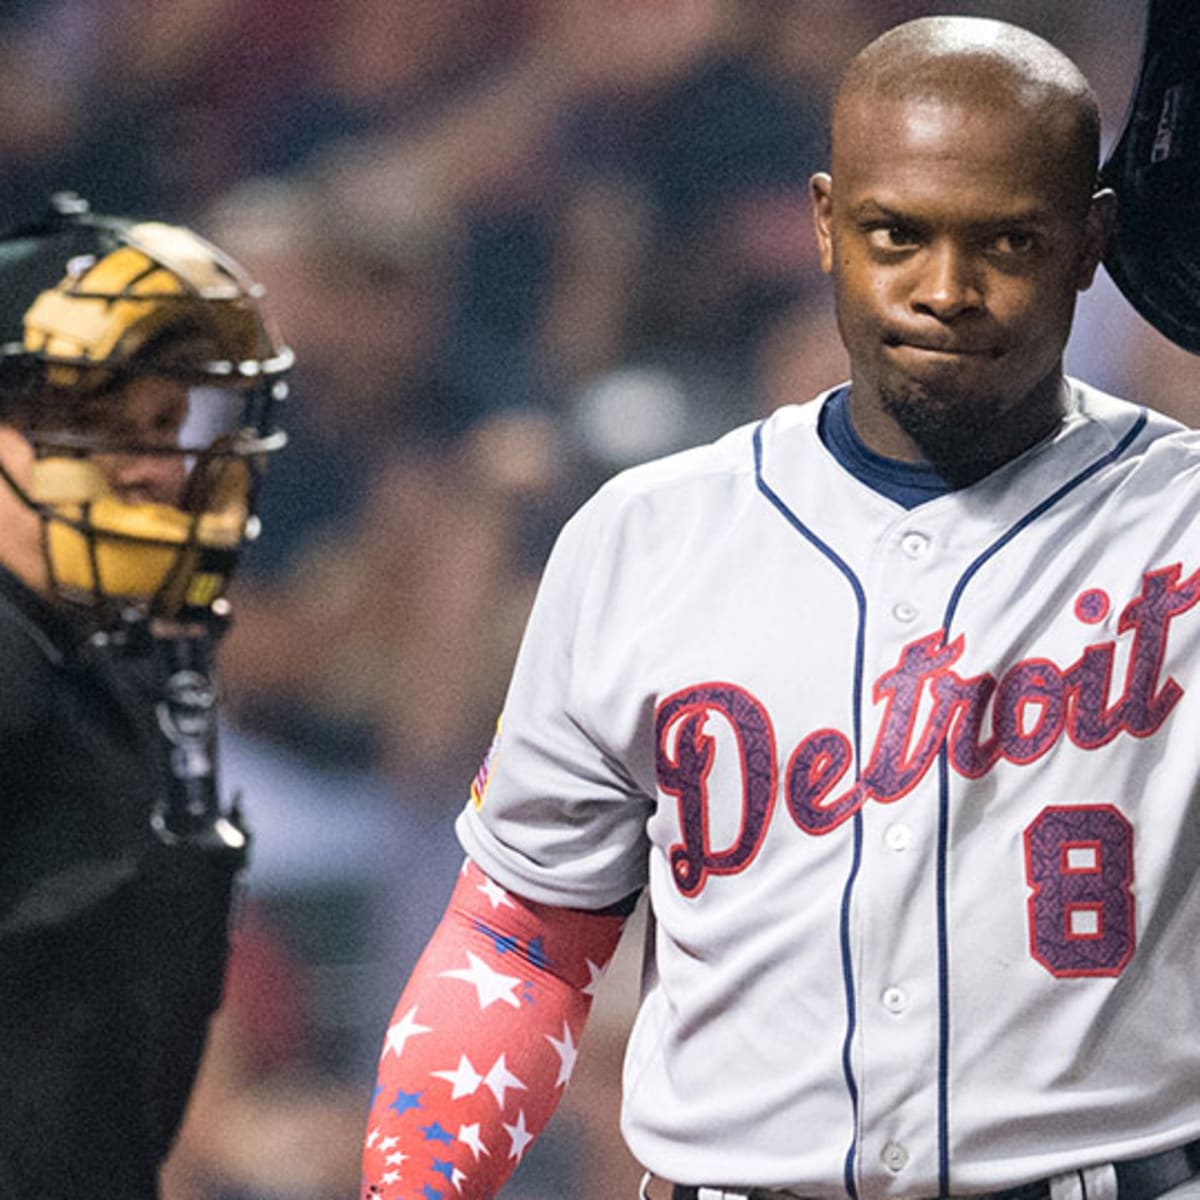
(820, 188)
(1098, 229)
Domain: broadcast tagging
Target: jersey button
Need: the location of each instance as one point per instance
(895, 999)
(898, 837)
(914, 545)
(895, 1157)
(905, 612)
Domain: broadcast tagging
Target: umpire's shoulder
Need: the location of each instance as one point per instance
(29, 661)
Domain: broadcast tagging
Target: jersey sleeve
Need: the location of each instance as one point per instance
(558, 810)
(482, 1042)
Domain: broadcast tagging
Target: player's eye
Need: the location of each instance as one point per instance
(892, 236)
(1015, 243)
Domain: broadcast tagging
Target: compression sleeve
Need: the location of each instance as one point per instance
(482, 1042)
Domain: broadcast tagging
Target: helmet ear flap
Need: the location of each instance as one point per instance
(1153, 256)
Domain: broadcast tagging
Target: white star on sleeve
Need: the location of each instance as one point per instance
(520, 1135)
(403, 1029)
(372, 1138)
(567, 1054)
(396, 1159)
(457, 1178)
(496, 895)
(464, 1079)
(490, 985)
(499, 1079)
(387, 1144)
(391, 1176)
(469, 1136)
(597, 974)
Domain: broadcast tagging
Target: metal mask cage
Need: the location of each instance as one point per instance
(90, 308)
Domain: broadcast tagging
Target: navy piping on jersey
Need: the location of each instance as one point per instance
(860, 600)
(944, 791)
(837, 411)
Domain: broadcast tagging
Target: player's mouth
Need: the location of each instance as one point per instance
(934, 349)
(935, 362)
(930, 348)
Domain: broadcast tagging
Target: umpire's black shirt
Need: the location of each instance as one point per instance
(112, 944)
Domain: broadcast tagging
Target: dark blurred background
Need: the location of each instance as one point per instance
(517, 245)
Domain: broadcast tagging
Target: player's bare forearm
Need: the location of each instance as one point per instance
(482, 1042)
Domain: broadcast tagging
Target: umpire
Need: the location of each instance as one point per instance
(138, 385)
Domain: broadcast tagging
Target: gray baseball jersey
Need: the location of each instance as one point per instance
(913, 793)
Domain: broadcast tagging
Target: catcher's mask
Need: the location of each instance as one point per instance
(136, 361)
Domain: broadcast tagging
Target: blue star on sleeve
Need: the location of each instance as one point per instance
(537, 953)
(503, 943)
(435, 1133)
(406, 1100)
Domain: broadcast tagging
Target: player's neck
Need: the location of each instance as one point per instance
(906, 483)
(964, 443)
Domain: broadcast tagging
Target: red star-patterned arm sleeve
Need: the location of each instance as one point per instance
(482, 1042)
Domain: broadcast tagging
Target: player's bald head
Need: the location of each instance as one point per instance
(980, 63)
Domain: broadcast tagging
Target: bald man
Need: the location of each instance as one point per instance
(969, 149)
(886, 706)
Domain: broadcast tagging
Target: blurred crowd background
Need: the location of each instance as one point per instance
(517, 245)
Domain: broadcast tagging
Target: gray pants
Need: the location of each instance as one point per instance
(1094, 1183)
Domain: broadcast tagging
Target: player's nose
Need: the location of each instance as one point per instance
(946, 282)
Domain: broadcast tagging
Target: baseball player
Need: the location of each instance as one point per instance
(139, 382)
(888, 702)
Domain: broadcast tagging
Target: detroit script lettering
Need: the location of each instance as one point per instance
(1032, 706)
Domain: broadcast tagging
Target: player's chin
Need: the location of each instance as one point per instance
(953, 393)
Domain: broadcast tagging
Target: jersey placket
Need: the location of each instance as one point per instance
(897, 962)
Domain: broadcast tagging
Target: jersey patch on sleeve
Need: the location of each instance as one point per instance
(479, 784)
